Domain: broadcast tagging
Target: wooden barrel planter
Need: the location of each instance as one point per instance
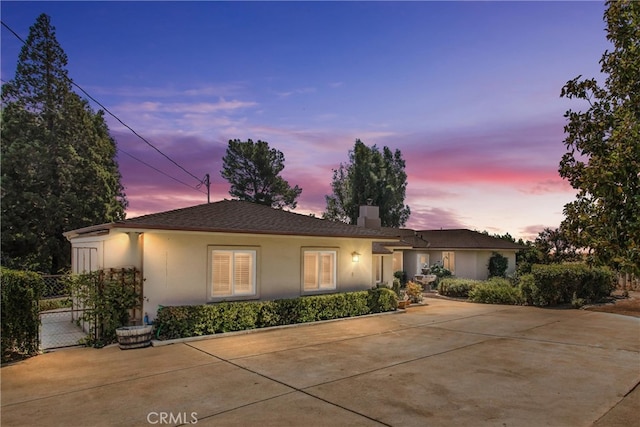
(134, 336)
(403, 304)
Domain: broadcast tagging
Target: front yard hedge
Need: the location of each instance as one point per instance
(20, 293)
(496, 291)
(564, 283)
(196, 320)
(455, 287)
(546, 285)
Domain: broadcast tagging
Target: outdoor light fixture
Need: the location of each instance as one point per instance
(355, 256)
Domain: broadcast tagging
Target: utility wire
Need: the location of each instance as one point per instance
(200, 181)
(197, 187)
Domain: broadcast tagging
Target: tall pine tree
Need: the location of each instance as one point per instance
(58, 160)
(253, 171)
(370, 175)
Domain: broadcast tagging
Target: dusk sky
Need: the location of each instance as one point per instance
(468, 91)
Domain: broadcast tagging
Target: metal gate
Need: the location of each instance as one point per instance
(67, 326)
(59, 327)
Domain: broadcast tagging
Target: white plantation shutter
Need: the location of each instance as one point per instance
(233, 272)
(319, 270)
(310, 271)
(243, 273)
(326, 271)
(221, 273)
(449, 261)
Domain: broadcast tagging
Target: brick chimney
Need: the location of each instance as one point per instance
(369, 217)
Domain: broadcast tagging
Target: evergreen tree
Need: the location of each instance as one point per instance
(370, 175)
(253, 170)
(58, 160)
(603, 158)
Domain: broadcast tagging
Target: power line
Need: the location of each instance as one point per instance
(201, 182)
(197, 187)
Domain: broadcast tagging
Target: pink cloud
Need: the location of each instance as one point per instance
(434, 218)
(440, 166)
(530, 232)
(525, 157)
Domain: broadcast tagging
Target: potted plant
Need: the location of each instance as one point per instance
(414, 292)
(403, 300)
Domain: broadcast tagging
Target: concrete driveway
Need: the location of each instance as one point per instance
(441, 364)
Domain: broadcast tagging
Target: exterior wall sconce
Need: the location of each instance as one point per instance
(355, 256)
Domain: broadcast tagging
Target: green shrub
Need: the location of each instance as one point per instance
(54, 303)
(440, 272)
(401, 276)
(396, 286)
(20, 293)
(186, 321)
(566, 283)
(107, 298)
(496, 291)
(381, 300)
(453, 287)
(577, 302)
(498, 265)
(529, 290)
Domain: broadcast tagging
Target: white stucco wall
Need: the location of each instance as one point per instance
(176, 265)
(113, 250)
(469, 264)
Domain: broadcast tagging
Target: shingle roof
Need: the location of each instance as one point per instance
(408, 237)
(236, 216)
(464, 239)
(449, 239)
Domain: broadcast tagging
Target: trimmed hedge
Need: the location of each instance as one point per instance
(496, 291)
(21, 291)
(564, 283)
(551, 284)
(453, 287)
(197, 320)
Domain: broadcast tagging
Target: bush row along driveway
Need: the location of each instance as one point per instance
(444, 363)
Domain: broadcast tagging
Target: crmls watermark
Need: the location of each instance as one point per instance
(172, 418)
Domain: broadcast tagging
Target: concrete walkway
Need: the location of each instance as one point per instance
(443, 364)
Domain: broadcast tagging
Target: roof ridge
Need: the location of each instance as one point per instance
(240, 216)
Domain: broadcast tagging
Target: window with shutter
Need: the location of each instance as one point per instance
(326, 271)
(233, 273)
(243, 272)
(221, 273)
(319, 270)
(449, 261)
(310, 270)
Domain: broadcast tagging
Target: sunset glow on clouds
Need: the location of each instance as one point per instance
(469, 92)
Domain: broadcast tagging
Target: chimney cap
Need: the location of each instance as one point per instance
(369, 201)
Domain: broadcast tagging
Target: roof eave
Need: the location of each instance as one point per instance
(143, 227)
